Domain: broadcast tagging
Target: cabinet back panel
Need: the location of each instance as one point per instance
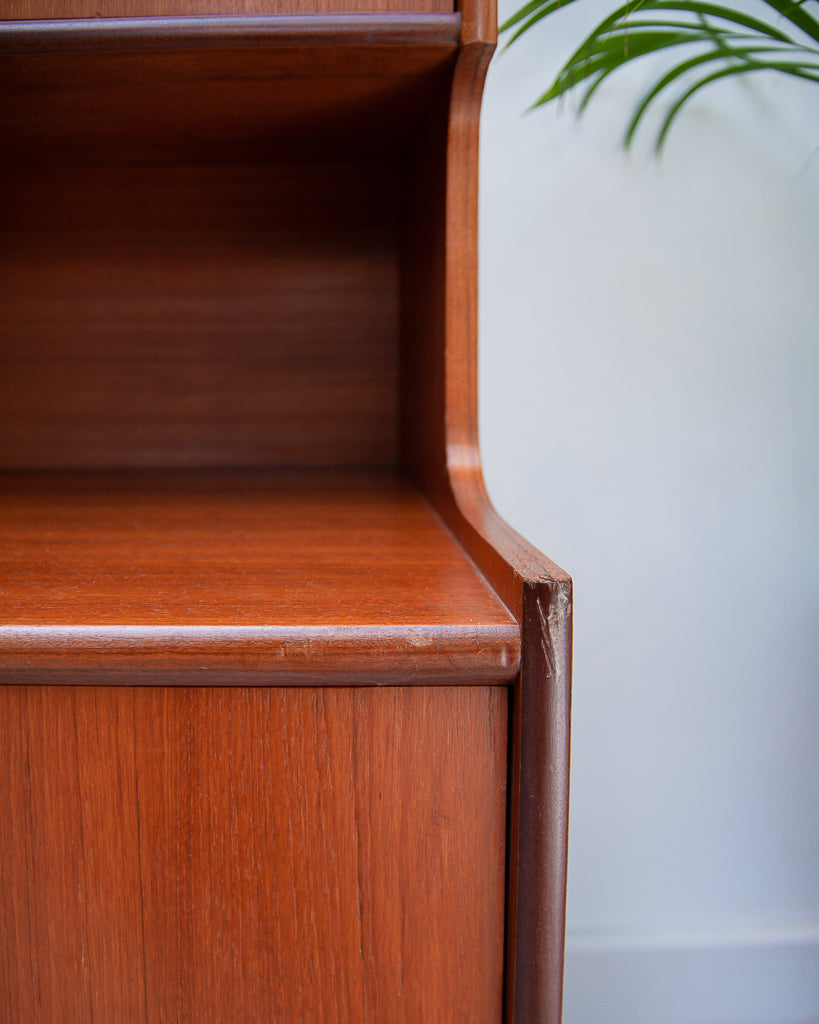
(201, 314)
(247, 855)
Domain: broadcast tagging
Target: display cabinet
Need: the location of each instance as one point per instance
(284, 711)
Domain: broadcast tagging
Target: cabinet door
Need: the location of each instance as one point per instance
(252, 854)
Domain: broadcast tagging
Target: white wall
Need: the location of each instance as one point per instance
(649, 350)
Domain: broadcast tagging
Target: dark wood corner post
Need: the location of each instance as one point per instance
(540, 803)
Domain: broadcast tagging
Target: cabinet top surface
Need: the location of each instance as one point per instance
(301, 575)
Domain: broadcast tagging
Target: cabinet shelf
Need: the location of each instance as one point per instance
(220, 576)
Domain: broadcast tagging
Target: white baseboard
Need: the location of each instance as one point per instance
(769, 977)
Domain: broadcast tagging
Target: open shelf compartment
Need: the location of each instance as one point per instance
(203, 263)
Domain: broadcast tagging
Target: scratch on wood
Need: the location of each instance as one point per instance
(559, 611)
(546, 630)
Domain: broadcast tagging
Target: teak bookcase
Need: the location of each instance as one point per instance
(285, 707)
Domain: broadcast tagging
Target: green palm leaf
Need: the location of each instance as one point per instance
(796, 12)
(740, 42)
(679, 70)
(810, 72)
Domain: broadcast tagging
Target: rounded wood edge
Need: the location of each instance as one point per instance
(76, 35)
(502, 554)
(285, 656)
(480, 21)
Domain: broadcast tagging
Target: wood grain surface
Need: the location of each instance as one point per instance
(196, 315)
(108, 87)
(244, 856)
(202, 575)
(23, 9)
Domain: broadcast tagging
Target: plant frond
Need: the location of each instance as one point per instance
(798, 15)
(681, 69)
(742, 42)
(809, 71)
(729, 14)
(528, 9)
(626, 13)
(530, 14)
(609, 55)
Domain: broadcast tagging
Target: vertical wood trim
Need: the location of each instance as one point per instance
(479, 35)
(539, 805)
(536, 590)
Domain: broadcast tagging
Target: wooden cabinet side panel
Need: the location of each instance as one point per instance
(195, 854)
